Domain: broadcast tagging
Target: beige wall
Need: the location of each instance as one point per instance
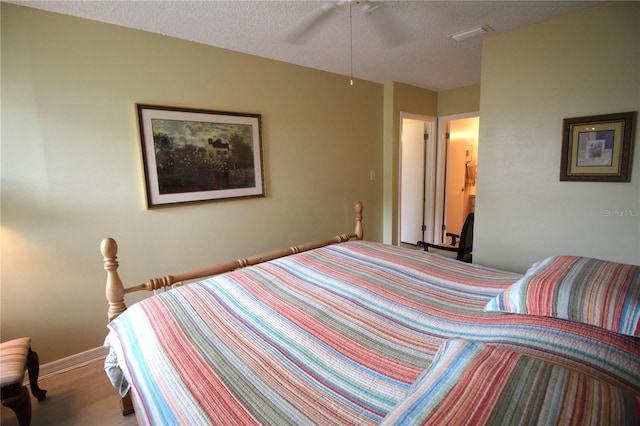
(582, 64)
(72, 173)
(459, 101)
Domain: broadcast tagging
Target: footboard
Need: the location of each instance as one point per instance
(115, 290)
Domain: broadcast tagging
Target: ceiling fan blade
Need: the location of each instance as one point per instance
(305, 28)
(383, 24)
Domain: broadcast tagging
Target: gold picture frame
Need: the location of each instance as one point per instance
(597, 148)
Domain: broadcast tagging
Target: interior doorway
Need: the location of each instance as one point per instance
(417, 178)
(438, 176)
(458, 140)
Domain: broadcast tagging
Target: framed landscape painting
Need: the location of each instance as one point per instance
(195, 155)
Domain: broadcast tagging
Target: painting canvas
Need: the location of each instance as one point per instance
(197, 155)
(595, 148)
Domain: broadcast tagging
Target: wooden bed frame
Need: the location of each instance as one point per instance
(115, 290)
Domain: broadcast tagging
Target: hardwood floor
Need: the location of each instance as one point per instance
(82, 396)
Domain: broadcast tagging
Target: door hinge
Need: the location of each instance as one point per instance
(426, 137)
(444, 227)
(424, 228)
(447, 135)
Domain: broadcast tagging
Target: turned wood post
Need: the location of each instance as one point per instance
(114, 289)
(359, 230)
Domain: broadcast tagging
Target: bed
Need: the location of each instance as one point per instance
(346, 331)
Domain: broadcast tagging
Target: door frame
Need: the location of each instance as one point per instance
(441, 166)
(429, 178)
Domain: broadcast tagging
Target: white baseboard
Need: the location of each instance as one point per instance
(73, 361)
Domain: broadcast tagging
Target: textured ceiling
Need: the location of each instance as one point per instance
(402, 41)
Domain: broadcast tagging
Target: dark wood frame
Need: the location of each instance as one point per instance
(621, 129)
(16, 396)
(213, 155)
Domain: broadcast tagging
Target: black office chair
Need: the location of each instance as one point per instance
(464, 249)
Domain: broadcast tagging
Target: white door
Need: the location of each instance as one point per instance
(412, 181)
(417, 178)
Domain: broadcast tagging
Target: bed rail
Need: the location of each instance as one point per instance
(115, 290)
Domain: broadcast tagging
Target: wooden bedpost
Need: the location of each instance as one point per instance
(359, 231)
(115, 296)
(115, 288)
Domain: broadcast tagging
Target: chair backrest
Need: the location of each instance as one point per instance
(465, 248)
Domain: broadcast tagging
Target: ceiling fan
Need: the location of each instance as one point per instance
(372, 10)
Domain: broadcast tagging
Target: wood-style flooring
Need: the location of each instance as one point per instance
(82, 396)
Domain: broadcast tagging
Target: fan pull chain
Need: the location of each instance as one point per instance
(351, 43)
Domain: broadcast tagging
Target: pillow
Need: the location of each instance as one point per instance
(591, 291)
(473, 383)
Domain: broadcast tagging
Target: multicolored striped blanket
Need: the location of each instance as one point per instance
(340, 335)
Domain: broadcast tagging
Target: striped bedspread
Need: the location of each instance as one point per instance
(473, 383)
(338, 335)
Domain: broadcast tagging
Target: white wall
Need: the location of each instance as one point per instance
(581, 64)
(72, 169)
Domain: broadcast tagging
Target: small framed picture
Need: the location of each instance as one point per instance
(194, 155)
(597, 148)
